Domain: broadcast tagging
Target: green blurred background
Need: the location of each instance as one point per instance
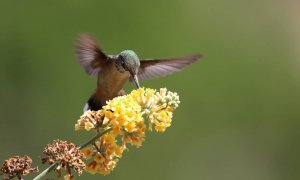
(239, 116)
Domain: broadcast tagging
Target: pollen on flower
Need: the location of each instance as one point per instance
(136, 137)
(99, 158)
(160, 127)
(91, 167)
(127, 117)
(88, 152)
(130, 126)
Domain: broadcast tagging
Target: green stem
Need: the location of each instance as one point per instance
(92, 140)
(46, 171)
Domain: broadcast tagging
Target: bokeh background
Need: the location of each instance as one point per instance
(239, 116)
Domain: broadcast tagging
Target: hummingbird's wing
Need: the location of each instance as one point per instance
(89, 54)
(161, 67)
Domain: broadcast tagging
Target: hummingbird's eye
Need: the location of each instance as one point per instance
(123, 64)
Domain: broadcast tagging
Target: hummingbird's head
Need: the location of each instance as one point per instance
(128, 60)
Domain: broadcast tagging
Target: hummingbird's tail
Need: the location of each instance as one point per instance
(92, 104)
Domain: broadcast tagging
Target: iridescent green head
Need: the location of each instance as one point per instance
(128, 61)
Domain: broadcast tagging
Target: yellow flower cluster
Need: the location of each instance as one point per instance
(127, 117)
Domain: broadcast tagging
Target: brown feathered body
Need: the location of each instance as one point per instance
(110, 83)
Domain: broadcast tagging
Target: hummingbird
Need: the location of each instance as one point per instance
(113, 71)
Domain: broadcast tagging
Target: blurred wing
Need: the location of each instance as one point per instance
(89, 54)
(158, 68)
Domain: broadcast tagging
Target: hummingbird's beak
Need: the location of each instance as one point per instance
(136, 81)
